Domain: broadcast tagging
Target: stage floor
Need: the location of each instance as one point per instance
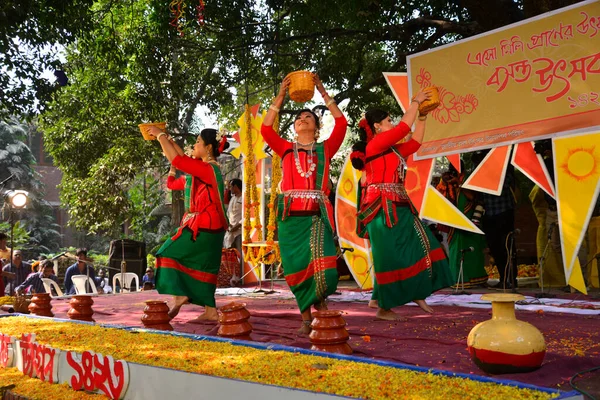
(436, 341)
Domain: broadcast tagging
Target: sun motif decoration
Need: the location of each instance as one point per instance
(581, 163)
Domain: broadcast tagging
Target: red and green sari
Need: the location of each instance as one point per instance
(409, 262)
(308, 252)
(188, 263)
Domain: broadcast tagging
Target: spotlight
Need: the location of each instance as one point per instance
(17, 198)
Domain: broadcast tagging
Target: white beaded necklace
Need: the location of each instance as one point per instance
(311, 163)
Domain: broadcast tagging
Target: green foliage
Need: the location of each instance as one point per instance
(31, 32)
(20, 237)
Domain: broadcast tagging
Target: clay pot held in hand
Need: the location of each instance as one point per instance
(156, 315)
(233, 321)
(329, 332)
(81, 308)
(40, 305)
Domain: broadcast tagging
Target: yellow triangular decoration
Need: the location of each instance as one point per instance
(438, 209)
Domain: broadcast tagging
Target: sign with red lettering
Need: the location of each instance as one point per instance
(94, 372)
(7, 350)
(534, 79)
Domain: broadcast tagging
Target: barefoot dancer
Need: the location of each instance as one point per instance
(188, 263)
(409, 262)
(304, 214)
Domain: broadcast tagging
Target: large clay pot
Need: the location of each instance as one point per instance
(40, 305)
(329, 332)
(504, 344)
(233, 321)
(156, 315)
(81, 308)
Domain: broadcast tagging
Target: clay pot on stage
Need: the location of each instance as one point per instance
(40, 305)
(233, 321)
(156, 315)
(329, 332)
(504, 344)
(81, 308)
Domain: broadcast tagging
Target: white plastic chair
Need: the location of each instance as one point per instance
(49, 284)
(128, 277)
(79, 282)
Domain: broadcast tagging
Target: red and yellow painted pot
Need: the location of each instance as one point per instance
(504, 344)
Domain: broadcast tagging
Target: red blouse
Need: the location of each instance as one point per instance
(382, 177)
(291, 179)
(206, 210)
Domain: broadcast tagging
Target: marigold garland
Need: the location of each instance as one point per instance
(251, 200)
(7, 300)
(281, 368)
(275, 179)
(35, 389)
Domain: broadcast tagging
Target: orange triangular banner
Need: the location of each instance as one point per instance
(398, 82)
(488, 177)
(455, 161)
(532, 166)
(418, 176)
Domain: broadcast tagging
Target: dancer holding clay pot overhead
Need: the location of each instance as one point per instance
(304, 213)
(187, 264)
(408, 260)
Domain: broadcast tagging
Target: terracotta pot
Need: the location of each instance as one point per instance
(81, 308)
(329, 332)
(40, 305)
(504, 344)
(233, 321)
(431, 104)
(156, 315)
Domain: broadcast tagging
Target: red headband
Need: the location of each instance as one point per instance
(222, 143)
(365, 125)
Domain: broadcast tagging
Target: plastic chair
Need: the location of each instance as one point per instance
(128, 277)
(79, 282)
(49, 284)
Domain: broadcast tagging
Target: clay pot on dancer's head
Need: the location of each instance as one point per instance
(233, 321)
(156, 315)
(329, 332)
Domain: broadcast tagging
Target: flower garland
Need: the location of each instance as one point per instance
(33, 388)
(280, 368)
(7, 300)
(275, 179)
(252, 202)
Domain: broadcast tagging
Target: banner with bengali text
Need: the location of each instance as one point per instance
(534, 79)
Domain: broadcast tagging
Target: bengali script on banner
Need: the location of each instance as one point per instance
(538, 78)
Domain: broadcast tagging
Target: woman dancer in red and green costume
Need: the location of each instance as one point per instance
(187, 264)
(304, 214)
(409, 262)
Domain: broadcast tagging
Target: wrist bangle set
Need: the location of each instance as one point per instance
(160, 135)
(330, 102)
(274, 108)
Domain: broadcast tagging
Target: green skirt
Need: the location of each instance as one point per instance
(473, 263)
(308, 257)
(409, 262)
(185, 267)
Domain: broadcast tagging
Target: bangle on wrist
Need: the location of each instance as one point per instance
(416, 101)
(274, 108)
(330, 102)
(422, 117)
(160, 135)
(172, 174)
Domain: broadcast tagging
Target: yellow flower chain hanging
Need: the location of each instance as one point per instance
(275, 179)
(251, 200)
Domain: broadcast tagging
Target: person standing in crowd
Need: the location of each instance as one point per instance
(304, 213)
(233, 236)
(15, 273)
(499, 225)
(4, 250)
(187, 264)
(462, 244)
(408, 260)
(34, 283)
(79, 268)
